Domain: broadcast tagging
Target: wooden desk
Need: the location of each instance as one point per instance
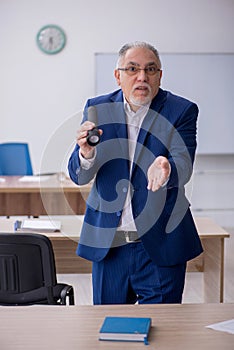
(211, 262)
(44, 195)
(177, 327)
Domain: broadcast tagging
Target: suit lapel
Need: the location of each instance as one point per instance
(118, 119)
(149, 120)
(117, 116)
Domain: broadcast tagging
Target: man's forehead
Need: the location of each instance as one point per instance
(139, 56)
(146, 64)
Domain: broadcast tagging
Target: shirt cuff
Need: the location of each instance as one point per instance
(85, 163)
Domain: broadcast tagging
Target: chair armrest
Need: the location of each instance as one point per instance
(67, 292)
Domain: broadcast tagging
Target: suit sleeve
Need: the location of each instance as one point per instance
(183, 146)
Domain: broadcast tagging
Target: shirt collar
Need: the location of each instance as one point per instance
(141, 110)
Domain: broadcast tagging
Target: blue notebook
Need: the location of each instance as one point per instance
(125, 329)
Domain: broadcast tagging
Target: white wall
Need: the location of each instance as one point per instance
(39, 93)
(211, 188)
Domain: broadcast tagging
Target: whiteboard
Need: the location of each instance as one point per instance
(206, 79)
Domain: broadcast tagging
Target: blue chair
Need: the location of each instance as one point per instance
(15, 159)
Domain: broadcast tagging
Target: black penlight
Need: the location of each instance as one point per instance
(93, 137)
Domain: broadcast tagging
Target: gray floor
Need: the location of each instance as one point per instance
(193, 292)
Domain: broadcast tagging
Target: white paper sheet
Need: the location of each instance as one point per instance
(226, 326)
(37, 224)
(34, 178)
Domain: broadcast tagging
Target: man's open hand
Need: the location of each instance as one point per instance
(158, 173)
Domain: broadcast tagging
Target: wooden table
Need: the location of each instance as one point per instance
(210, 262)
(174, 327)
(41, 195)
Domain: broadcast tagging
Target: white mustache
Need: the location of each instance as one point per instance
(144, 85)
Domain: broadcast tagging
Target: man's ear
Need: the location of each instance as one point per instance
(160, 77)
(117, 76)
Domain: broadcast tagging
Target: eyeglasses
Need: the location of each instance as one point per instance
(133, 70)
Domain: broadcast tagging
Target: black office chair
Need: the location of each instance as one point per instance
(28, 272)
(15, 159)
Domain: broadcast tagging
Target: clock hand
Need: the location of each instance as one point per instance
(50, 42)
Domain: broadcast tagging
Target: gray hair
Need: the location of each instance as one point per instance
(138, 44)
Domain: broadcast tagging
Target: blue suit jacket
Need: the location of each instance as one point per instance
(163, 218)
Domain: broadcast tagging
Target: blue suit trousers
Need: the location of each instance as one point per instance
(127, 275)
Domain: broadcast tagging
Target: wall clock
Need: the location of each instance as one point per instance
(51, 39)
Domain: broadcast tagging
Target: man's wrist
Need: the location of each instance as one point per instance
(88, 155)
(86, 163)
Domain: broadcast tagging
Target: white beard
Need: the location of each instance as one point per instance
(141, 101)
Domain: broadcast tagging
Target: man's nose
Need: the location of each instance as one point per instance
(141, 75)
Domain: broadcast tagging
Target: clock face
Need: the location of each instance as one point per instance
(51, 39)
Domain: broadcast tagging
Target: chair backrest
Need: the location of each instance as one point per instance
(26, 262)
(15, 159)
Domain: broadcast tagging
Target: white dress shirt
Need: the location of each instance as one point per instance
(134, 121)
